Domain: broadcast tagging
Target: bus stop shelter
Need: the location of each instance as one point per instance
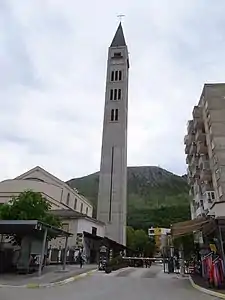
(34, 228)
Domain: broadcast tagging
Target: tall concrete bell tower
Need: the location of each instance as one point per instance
(112, 194)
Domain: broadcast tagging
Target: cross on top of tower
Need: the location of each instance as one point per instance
(120, 17)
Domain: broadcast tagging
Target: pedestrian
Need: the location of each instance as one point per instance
(177, 264)
(80, 258)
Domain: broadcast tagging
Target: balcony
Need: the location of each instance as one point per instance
(198, 198)
(193, 148)
(198, 123)
(196, 172)
(189, 138)
(206, 187)
(203, 159)
(196, 188)
(202, 148)
(200, 136)
(197, 118)
(200, 211)
(186, 139)
(205, 175)
(187, 149)
(188, 159)
(190, 126)
(194, 160)
(204, 165)
(190, 179)
(197, 112)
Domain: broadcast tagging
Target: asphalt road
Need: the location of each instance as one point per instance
(128, 284)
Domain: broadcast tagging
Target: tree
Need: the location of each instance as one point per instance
(141, 239)
(29, 205)
(138, 240)
(130, 238)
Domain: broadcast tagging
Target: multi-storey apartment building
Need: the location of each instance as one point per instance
(205, 150)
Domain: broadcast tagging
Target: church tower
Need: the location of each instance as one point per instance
(112, 194)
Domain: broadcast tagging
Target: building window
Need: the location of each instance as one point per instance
(81, 207)
(111, 94)
(94, 231)
(117, 54)
(112, 114)
(115, 94)
(68, 199)
(119, 94)
(86, 210)
(116, 75)
(75, 204)
(112, 76)
(220, 192)
(217, 174)
(120, 75)
(116, 114)
(65, 227)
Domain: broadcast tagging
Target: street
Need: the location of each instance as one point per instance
(128, 284)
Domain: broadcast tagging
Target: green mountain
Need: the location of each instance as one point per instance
(155, 196)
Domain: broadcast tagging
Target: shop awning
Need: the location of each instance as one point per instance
(187, 227)
(24, 227)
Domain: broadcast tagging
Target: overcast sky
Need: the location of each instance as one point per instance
(53, 57)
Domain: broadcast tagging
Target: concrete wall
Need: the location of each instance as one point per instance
(86, 225)
(77, 226)
(113, 170)
(55, 190)
(60, 242)
(9, 188)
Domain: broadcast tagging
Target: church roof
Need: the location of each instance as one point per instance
(118, 39)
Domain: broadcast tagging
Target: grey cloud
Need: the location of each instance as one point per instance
(54, 79)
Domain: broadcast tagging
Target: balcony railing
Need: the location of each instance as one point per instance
(199, 211)
(194, 160)
(190, 179)
(200, 136)
(205, 175)
(197, 112)
(197, 198)
(186, 139)
(202, 148)
(188, 159)
(196, 172)
(187, 148)
(206, 187)
(203, 158)
(204, 165)
(197, 188)
(190, 126)
(193, 148)
(198, 123)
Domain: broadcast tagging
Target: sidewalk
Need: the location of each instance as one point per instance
(51, 276)
(200, 284)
